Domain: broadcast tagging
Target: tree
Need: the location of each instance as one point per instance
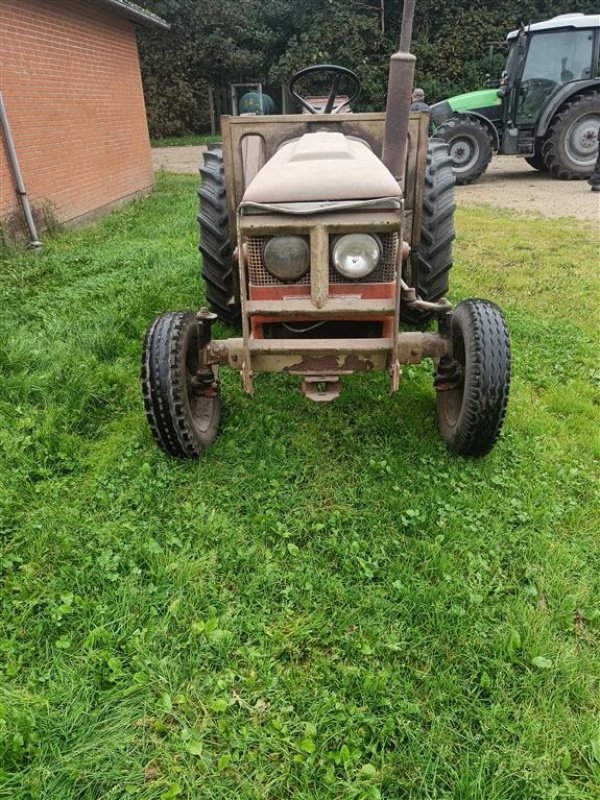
(216, 43)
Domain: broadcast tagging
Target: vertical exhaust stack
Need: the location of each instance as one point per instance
(400, 81)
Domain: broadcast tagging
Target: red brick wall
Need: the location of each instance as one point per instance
(70, 76)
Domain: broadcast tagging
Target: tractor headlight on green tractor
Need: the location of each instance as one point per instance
(287, 257)
(356, 255)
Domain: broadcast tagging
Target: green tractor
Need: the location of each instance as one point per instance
(546, 106)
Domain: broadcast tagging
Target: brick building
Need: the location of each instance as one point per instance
(71, 84)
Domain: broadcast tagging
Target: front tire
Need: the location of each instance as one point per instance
(570, 146)
(470, 146)
(472, 387)
(183, 421)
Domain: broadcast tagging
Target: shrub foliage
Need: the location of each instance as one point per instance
(219, 43)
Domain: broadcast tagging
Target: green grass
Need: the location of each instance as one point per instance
(184, 141)
(328, 605)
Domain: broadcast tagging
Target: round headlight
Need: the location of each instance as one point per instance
(287, 257)
(356, 255)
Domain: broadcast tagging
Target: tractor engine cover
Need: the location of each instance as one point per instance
(322, 167)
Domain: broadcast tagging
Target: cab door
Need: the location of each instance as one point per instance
(553, 58)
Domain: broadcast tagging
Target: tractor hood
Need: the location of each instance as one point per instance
(320, 170)
(471, 101)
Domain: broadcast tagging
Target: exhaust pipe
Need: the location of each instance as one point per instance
(400, 82)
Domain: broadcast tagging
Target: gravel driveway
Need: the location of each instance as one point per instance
(509, 183)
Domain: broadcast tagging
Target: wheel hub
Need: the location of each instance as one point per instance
(582, 140)
(464, 152)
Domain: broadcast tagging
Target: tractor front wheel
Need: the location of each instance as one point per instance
(571, 143)
(472, 385)
(470, 146)
(182, 410)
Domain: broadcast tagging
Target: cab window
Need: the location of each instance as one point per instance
(553, 58)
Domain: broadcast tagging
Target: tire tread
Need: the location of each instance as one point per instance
(487, 377)
(218, 269)
(431, 261)
(163, 387)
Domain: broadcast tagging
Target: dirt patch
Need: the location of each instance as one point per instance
(509, 183)
(184, 160)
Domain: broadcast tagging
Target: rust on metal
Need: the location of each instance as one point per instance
(335, 364)
(319, 266)
(321, 388)
(340, 307)
(333, 356)
(246, 364)
(378, 221)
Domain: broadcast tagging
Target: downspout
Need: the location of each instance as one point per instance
(34, 242)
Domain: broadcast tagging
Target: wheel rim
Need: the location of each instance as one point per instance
(451, 400)
(202, 408)
(581, 142)
(464, 152)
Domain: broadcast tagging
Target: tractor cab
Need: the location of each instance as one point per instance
(542, 59)
(547, 107)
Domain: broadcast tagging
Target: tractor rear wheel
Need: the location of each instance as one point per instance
(183, 414)
(571, 143)
(472, 386)
(470, 147)
(431, 260)
(218, 267)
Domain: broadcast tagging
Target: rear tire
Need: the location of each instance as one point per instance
(218, 267)
(431, 260)
(470, 146)
(570, 147)
(182, 421)
(472, 388)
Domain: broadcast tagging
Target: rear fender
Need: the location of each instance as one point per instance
(564, 93)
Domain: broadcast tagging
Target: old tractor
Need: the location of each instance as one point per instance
(320, 232)
(546, 107)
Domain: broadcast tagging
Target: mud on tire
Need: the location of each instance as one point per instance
(431, 260)
(218, 267)
(182, 421)
(472, 388)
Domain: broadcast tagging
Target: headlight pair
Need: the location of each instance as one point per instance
(354, 255)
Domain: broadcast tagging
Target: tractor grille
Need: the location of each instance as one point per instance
(259, 276)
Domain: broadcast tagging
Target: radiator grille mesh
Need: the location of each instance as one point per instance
(259, 276)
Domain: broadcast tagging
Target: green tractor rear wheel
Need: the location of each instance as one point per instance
(571, 143)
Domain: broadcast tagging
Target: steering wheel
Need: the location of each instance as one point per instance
(338, 73)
